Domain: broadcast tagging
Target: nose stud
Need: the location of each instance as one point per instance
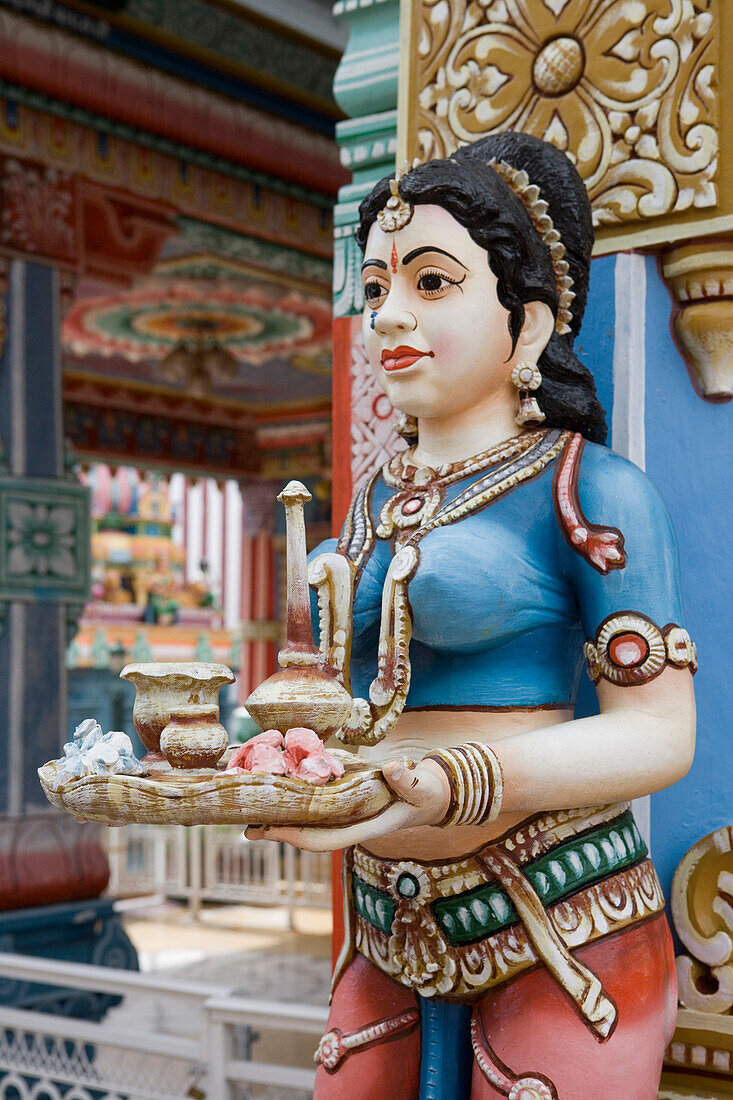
(374, 317)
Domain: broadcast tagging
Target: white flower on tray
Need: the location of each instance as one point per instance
(93, 752)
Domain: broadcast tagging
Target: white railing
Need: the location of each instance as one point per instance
(215, 863)
(190, 1040)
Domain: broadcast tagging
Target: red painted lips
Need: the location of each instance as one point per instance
(401, 357)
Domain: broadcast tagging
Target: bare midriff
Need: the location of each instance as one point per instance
(420, 732)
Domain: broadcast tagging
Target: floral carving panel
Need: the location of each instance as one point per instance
(44, 549)
(39, 211)
(625, 87)
(373, 438)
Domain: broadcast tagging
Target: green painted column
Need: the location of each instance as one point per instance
(365, 87)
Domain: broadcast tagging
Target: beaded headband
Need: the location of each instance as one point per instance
(537, 208)
(397, 213)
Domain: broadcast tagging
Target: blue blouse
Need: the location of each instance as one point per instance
(502, 604)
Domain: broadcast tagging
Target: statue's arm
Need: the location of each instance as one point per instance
(637, 652)
(643, 740)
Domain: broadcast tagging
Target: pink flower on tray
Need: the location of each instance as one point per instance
(318, 769)
(299, 743)
(239, 760)
(307, 759)
(268, 759)
(300, 755)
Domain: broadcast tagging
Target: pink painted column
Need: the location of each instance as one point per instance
(259, 502)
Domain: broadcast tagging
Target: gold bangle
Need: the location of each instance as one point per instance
(476, 783)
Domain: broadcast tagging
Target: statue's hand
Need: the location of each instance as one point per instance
(422, 799)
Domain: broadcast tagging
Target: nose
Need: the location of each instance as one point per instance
(394, 317)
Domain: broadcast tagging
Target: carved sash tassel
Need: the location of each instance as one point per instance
(332, 575)
(371, 720)
(578, 981)
(337, 1045)
(501, 1077)
(602, 547)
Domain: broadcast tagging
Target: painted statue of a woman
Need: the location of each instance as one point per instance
(505, 927)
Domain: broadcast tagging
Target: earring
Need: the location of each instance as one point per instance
(526, 377)
(374, 317)
(406, 426)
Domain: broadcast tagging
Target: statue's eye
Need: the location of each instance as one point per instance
(373, 291)
(434, 283)
(431, 282)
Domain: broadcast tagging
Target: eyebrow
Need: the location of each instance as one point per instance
(374, 263)
(430, 248)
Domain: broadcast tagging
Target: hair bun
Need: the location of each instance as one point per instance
(560, 187)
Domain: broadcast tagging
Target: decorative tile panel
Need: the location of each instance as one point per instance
(44, 540)
(373, 438)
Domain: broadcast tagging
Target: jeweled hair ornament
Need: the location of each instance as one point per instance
(537, 208)
(396, 213)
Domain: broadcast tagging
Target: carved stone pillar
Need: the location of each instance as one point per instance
(365, 86)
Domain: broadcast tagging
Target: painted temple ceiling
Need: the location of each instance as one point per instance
(232, 49)
(174, 160)
(278, 334)
(273, 402)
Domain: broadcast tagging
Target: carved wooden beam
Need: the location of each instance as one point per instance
(77, 225)
(627, 88)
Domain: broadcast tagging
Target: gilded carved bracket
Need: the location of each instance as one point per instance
(699, 275)
(702, 910)
(624, 87)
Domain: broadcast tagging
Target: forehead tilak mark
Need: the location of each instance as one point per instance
(394, 258)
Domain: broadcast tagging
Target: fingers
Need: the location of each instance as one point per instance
(323, 839)
(419, 786)
(423, 797)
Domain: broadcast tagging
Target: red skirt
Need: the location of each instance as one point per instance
(531, 1025)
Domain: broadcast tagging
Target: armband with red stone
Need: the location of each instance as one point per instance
(630, 649)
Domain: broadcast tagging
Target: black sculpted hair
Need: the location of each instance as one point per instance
(475, 194)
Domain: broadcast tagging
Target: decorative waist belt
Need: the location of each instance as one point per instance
(560, 880)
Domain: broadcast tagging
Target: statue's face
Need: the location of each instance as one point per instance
(439, 338)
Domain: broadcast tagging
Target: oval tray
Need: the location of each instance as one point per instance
(248, 799)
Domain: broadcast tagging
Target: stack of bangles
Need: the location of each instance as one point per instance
(476, 783)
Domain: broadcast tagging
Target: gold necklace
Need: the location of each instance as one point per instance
(421, 489)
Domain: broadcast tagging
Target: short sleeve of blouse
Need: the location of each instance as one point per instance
(630, 604)
(613, 493)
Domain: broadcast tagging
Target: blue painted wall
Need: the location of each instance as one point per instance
(689, 456)
(594, 344)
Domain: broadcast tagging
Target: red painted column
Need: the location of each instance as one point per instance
(222, 487)
(343, 330)
(245, 614)
(363, 438)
